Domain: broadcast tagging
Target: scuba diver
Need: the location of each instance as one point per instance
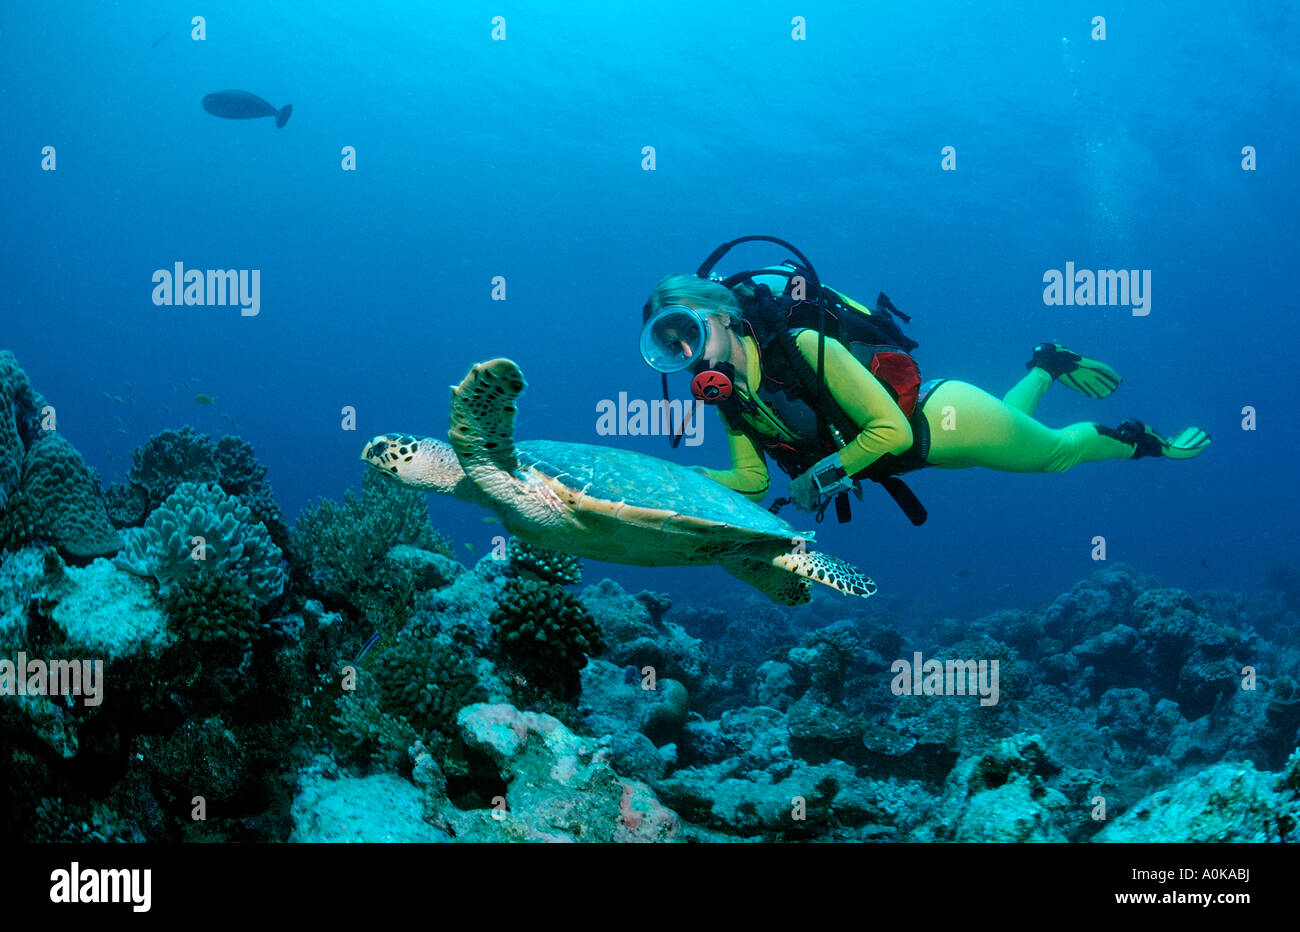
(828, 389)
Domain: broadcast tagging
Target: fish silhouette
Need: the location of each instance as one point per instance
(241, 105)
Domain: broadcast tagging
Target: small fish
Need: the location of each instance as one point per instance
(469, 547)
(962, 573)
(1203, 563)
(187, 382)
(160, 40)
(121, 430)
(226, 415)
(1005, 587)
(128, 384)
(108, 396)
(119, 399)
(205, 399)
(134, 402)
(167, 409)
(111, 457)
(172, 386)
(241, 105)
(365, 648)
(491, 520)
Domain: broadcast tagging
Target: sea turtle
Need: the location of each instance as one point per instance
(601, 502)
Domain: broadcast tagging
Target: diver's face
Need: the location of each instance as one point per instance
(717, 348)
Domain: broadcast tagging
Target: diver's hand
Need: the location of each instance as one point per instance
(803, 494)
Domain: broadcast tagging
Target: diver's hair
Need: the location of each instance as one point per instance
(700, 293)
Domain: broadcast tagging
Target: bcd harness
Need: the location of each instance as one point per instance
(796, 391)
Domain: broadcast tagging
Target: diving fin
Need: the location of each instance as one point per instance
(1191, 441)
(1079, 373)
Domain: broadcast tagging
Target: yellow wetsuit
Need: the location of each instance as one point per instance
(968, 426)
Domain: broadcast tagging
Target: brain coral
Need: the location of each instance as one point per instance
(58, 500)
(232, 542)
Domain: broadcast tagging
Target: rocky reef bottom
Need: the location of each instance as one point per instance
(1122, 711)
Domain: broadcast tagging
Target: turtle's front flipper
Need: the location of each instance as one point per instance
(483, 416)
(776, 584)
(827, 570)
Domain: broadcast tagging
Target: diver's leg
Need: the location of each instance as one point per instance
(1029, 391)
(969, 427)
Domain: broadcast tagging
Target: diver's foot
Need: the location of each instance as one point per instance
(1192, 441)
(1083, 375)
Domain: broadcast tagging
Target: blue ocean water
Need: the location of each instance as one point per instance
(523, 158)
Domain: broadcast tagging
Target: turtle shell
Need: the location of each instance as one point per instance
(614, 477)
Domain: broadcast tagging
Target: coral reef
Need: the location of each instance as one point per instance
(199, 527)
(212, 607)
(169, 458)
(19, 423)
(58, 500)
(493, 705)
(638, 636)
(551, 566)
(425, 682)
(374, 552)
(127, 505)
(1225, 802)
(546, 633)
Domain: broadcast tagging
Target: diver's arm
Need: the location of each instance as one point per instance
(884, 429)
(748, 472)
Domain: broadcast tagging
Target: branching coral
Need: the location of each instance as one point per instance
(564, 569)
(212, 608)
(199, 527)
(425, 683)
(547, 632)
(367, 734)
(169, 458)
(340, 545)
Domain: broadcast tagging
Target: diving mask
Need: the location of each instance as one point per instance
(674, 338)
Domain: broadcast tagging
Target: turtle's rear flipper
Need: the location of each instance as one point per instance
(827, 570)
(483, 416)
(777, 584)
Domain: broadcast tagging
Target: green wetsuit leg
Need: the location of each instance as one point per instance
(1029, 391)
(969, 427)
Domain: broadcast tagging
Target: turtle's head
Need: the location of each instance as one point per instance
(426, 464)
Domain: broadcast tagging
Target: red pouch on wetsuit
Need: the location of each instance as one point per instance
(902, 374)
